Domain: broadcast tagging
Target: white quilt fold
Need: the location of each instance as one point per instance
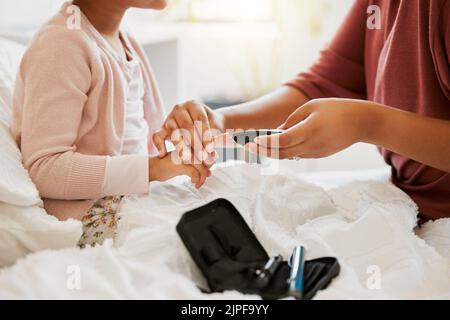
(369, 226)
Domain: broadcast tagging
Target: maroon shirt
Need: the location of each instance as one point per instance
(405, 65)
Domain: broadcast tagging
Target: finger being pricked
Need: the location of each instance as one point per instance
(189, 133)
(174, 132)
(159, 138)
(199, 116)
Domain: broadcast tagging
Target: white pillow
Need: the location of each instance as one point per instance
(16, 186)
(24, 230)
(24, 226)
(10, 56)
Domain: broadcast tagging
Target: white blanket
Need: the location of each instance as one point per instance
(369, 226)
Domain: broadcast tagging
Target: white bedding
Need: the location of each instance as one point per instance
(369, 226)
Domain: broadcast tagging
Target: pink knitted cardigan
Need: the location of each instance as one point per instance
(68, 115)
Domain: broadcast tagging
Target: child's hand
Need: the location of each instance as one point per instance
(319, 129)
(162, 169)
(194, 123)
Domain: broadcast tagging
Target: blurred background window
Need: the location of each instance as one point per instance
(229, 50)
(235, 50)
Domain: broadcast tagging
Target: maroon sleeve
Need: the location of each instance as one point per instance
(339, 70)
(446, 27)
(441, 46)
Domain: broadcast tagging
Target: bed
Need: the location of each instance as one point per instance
(359, 217)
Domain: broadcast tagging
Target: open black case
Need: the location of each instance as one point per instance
(229, 255)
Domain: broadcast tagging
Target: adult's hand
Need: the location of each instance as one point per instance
(318, 129)
(194, 125)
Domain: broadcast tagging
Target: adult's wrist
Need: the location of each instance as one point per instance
(373, 128)
(217, 119)
(152, 168)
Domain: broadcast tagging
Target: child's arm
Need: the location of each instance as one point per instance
(57, 79)
(325, 126)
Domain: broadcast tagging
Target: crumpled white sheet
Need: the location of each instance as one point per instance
(366, 225)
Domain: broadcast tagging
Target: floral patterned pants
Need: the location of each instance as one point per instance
(100, 222)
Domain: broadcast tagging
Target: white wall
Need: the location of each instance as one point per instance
(26, 14)
(306, 26)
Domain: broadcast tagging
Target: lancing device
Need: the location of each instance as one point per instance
(245, 137)
(268, 271)
(296, 279)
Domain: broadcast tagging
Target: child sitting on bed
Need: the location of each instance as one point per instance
(85, 105)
